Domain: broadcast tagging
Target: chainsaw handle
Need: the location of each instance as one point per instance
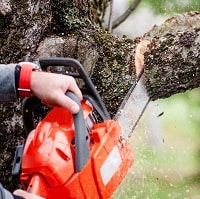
(45, 62)
(81, 136)
(75, 64)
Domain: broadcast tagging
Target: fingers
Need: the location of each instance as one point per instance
(65, 102)
(73, 87)
(59, 98)
(51, 89)
(26, 195)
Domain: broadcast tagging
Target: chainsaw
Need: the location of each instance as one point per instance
(85, 155)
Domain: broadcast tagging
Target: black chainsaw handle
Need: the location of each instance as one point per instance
(77, 66)
(45, 62)
(82, 152)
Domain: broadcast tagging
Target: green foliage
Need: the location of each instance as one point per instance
(165, 173)
(172, 6)
(170, 171)
(188, 116)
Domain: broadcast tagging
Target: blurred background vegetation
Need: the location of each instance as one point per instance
(167, 140)
(172, 6)
(170, 168)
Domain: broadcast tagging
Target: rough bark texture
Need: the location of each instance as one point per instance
(21, 29)
(72, 28)
(172, 60)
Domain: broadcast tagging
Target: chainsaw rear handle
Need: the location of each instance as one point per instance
(82, 152)
(73, 63)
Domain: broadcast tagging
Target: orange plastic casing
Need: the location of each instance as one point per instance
(48, 159)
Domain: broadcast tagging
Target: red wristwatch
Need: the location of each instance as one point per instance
(24, 86)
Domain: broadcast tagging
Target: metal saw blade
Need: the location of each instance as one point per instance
(132, 108)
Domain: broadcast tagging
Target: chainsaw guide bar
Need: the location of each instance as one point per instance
(132, 107)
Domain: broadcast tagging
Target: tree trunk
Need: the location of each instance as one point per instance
(72, 28)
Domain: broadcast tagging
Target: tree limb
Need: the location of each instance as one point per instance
(172, 61)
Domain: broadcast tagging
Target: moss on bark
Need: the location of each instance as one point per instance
(173, 58)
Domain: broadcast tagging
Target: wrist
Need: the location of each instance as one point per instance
(34, 81)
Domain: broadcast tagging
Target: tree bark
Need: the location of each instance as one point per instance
(172, 61)
(72, 28)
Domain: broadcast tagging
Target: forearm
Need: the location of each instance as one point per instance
(7, 82)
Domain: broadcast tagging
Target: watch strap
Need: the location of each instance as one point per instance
(24, 86)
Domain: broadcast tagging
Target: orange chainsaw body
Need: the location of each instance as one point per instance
(48, 158)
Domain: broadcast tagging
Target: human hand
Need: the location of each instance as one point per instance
(25, 194)
(51, 89)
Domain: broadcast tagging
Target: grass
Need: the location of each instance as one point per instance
(171, 168)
